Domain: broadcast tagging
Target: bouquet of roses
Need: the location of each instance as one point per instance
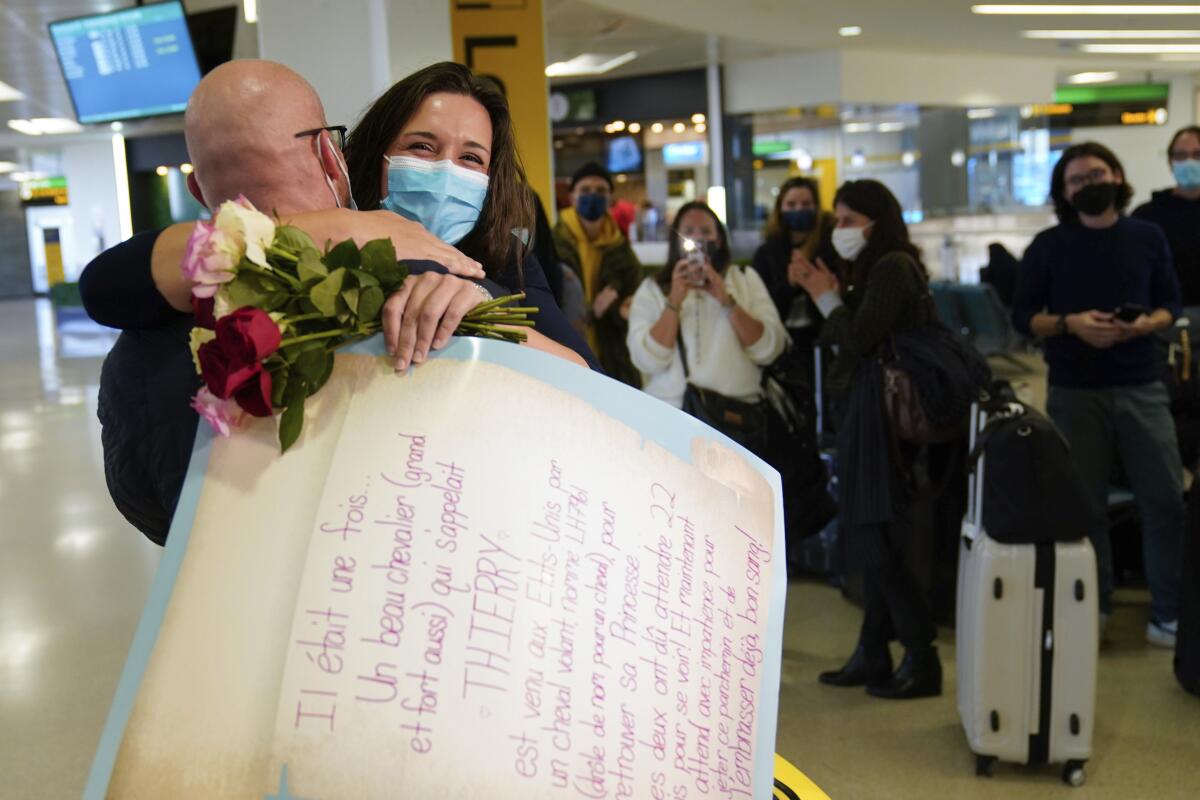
(271, 309)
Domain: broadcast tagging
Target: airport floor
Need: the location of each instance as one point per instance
(74, 575)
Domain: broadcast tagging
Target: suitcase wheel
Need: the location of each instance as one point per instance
(1073, 774)
(983, 765)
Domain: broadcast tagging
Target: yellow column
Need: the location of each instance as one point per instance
(506, 39)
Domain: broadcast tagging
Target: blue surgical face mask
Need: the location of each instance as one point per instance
(591, 206)
(1187, 173)
(800, 220)
(445, 198)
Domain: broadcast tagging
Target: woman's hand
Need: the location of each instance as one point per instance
(797, 267)
(604, 300)
(816, 279)
(714, 284)
(679, 283)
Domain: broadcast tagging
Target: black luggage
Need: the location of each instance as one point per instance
(1187, 639)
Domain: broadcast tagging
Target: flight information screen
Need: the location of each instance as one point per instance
(137, 62)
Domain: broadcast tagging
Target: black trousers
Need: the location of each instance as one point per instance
(894, 606)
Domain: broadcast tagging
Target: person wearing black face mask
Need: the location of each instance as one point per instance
(1095, 287)
(797, 230)
(588, 241)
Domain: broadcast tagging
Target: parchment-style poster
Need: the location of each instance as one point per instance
(498, 576)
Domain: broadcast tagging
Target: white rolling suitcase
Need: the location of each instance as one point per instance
(1027, 640)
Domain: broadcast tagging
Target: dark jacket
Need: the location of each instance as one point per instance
(891, 299)
(1071, 268)
(148, 379)
(1179, 219)
(771, 261)
(619, 268)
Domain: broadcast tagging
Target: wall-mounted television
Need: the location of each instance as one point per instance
(127, 64)
(624, 155)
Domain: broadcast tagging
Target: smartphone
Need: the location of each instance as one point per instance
(693, 252)
(1129, 312)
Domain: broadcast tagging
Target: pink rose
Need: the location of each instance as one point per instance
(222, 415)
(210, 260)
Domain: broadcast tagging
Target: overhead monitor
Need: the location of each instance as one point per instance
(127, 64)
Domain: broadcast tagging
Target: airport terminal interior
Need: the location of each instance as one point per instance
(734, 164)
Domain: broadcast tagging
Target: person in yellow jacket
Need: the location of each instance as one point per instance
(590, 243)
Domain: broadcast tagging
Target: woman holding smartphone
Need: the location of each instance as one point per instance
(721, 314)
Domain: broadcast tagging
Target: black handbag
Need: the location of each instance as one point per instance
(1032, 492)
(744, 422)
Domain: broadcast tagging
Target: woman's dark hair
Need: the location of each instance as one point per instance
(1058, 180)
(889, 233)
(507, 206)
(1194, 130)
(675, 244)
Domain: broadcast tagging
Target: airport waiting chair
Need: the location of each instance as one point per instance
(976, 311)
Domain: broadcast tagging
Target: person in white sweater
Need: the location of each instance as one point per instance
(728, 322)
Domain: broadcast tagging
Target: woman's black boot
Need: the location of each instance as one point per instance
(861, 669)
(919, 675)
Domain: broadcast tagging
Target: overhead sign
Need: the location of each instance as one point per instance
(680, 154)
(44, 192)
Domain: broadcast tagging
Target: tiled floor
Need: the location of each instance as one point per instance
(73, 576)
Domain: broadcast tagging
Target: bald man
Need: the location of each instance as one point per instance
(258, 129)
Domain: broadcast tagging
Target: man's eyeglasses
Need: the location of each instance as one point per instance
(338, 132)
(1097, 175)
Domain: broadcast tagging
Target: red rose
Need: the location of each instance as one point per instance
(202, 310)
(255, 394)
(222, 374)
(247, 335)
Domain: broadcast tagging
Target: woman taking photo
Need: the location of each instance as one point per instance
(719, 312)
(797, 231)
(887, 294)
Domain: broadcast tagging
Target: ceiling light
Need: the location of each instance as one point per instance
(1091, 77)
(1106, 9)
(117, 126)
(22, 177)
(803, 159)
(908, 158)
(850, 30)
(679, 127)
(635, 127)
(701, 127)
(9, 93)
(7, 166)
(1124, 34)
(958, 158)
(186, 168)
(161, 171)
(622, 178)
(858, 159)
(1138, 49)
(250, 11)
(656, 127)
(1178, 57)
(981, 113)
(617, 126)
(45, 125)
(889, 127)
(698, 118)
(588, 64)
(857, 127)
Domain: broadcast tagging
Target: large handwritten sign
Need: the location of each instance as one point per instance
(472, 580)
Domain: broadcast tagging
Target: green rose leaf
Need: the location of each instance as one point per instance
(310, 364)
(279, 382)
(325, 294)
(379, 259)
(310, 267)
(345, 255)
(350, 297)
(324, 376)
(364, 278)
(291, 238)
(292, 419)
(370, 302)
(245, 290)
